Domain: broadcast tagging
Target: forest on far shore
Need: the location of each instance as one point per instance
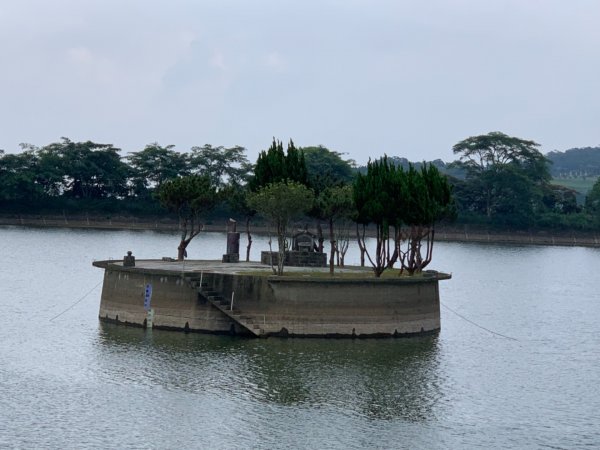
(498, 181)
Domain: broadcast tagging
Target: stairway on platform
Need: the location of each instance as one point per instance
(225, 306)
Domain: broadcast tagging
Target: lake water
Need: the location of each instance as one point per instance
(68, 381)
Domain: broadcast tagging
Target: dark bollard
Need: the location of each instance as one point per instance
(129, 260)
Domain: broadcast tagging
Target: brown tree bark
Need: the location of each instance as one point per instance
(249, 238)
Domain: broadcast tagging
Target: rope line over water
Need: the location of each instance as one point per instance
(477, 325)
(78, 301)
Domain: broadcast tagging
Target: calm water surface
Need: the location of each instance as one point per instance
(71, 382)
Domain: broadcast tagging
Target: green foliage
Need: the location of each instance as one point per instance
(559, 199)
(567, 222)
(450, 170)
(86, 170)
(88, 176)
(495, 149)
(390, 196)
(326, 168)
(153, 166)
(18, 177)
(506, 177)
(580, 185)
(189, 197)
(500, 181)
(336, 202)
(575, 163)
(333, 203)
(280, 203)
(274, 166)
(224, 166)
(592, 200)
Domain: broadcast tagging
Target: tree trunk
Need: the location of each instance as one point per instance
(393, 257)
(271, 254)
(181, 250)
(181, 253)
(380, 258)
(342, 239)
(333, 246)
(249, 238)
(188, 232)
(281, 245)
(320, 237)
(361, 245)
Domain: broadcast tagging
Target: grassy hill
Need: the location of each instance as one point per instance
(580, 184)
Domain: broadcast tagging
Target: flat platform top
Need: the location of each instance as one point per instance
(190, 267)
(221, 267)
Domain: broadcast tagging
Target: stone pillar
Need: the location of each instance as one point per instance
(233, 243)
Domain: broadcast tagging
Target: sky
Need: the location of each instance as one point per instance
(363, 78)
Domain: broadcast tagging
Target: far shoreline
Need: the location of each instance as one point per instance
(456, 233)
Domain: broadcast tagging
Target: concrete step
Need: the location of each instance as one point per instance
(225, 306)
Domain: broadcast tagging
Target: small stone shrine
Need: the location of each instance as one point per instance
(302, 254)
(233, 243)
(303, 241)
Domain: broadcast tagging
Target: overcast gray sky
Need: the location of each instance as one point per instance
(360, 77)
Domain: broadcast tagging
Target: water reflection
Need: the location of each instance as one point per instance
(378, 379)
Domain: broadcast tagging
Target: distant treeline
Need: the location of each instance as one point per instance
(497, 180)
(575, 162)
(572, 163)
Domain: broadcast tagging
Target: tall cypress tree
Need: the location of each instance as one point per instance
(407, 202)
(274, 165)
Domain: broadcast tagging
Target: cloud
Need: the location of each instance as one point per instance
(80, 55)
(276, 62)
(407, 78)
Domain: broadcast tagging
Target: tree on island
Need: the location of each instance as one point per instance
(325, 169)
(391, 198)
(237, 198)
(428, 200)
(280, 203)
(272, 166)
(377, 195)
(190, 197)
(335, 203)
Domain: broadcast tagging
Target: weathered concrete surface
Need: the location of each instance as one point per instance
(295, 305)
(295, 258)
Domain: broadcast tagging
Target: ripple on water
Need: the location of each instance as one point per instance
(74, 383)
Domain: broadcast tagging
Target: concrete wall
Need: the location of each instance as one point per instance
(281, 306)
(175, 303)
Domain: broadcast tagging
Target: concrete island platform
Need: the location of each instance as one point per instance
(245, 298)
